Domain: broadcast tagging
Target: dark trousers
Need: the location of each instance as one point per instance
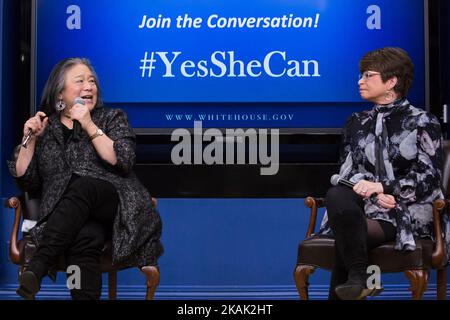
(77, 229)
(354, 234)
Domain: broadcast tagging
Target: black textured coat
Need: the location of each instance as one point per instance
(137, 227)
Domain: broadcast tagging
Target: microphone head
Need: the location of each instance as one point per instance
(335, 179)
(78, 100)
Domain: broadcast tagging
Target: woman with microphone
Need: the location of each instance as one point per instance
(392, 153)
(85, 181)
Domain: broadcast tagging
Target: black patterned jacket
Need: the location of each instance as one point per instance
(411, 156)
(137, 227)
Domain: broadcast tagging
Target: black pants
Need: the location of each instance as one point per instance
(341, 199)
(77, 229)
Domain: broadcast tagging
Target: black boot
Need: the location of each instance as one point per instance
(29, 285)
(59, 232)
(339, 276)
(356, 288)
(85, 253)
(350, 232)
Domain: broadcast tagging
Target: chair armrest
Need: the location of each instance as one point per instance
(14, 203)
(438, 255)
(313, 204)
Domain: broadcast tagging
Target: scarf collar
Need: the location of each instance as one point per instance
(383, 166)
(393, 107)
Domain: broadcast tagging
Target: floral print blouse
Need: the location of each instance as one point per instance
(399, 146)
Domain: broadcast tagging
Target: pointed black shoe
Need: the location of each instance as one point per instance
(356, 290)
(29, 285)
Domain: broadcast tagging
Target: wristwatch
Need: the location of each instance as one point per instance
(98, 133)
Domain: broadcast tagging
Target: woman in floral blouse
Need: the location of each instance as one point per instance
(393, 154)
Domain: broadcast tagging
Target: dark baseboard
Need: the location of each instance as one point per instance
(236, 181)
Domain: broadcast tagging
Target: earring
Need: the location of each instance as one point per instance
(60, 105)
(388, 95)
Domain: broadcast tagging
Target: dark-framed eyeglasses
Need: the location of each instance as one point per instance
(366, 75)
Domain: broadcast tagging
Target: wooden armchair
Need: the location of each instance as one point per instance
(26, 207)
(318, 251)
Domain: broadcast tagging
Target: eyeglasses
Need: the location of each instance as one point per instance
(366, 75)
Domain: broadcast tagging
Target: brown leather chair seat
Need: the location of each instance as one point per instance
(319, 252)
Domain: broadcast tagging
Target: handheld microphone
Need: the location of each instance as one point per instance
(28, 137)
(76, 123)
(336, 179)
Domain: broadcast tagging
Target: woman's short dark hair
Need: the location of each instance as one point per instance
(390, 62)
(56, 82)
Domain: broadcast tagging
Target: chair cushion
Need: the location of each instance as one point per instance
(318, 251)
(391, 260)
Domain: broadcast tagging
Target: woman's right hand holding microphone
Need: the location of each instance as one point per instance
(36, 124)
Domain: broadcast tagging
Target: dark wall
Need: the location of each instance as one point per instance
(307, 162)
(14, 88)
(439, 59)
(15, 97)
(446, 50)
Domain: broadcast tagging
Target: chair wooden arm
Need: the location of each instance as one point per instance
(438, 256)
(14, 203)
(313, 204)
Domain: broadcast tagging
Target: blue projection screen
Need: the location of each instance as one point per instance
(259, 63)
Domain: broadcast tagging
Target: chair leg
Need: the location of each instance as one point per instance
(442, 284)
(418, 280)
(112, 285)
(152, 275)
(301, 276)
